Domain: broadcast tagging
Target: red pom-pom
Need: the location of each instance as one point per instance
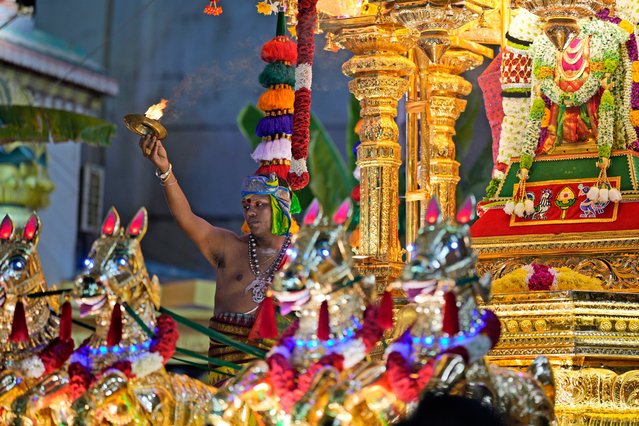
(355, 194)
(19, 330)
(265, 325)
(123, 366)
(451, 314)
(167, 337)
(492, 328)
(79, 380)
(56, 354)
(386, 311)
(280, 49)
(65, 321)
(281, 170)
(323, 324)
(114, 335)
(399, 377)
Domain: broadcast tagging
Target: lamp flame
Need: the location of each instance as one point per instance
(155, 112)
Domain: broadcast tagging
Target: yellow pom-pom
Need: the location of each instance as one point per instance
(295, 228)
(627, 26)
(634, 118)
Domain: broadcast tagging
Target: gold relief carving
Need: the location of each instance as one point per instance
(512, 326)
(567, 322)
(379, 64)
(540, 325)
(526, 326)
(621, 325)
(457, 61)
(605, 325)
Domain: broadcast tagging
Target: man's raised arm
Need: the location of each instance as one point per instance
(208, 238)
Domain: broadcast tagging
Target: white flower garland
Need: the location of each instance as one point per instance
(146, 363)
(628, 10)
(32, 367)
(298, 166)
(303, 76)
(353, 351)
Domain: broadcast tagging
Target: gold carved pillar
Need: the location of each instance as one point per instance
(444, 89)
(379, 72)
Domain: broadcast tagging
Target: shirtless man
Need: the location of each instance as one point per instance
(244, 264)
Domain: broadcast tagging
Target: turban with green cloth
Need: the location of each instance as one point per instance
(284, 203)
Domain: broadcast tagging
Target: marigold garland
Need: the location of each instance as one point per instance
(537, 277)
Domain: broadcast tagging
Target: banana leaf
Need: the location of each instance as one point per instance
(247, 120)
(351, 137)
(26, 123)
(331, 182)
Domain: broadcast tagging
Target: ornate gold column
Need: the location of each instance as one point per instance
(379, 80)
(444, 89)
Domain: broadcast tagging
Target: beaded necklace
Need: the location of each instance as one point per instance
(262, 278)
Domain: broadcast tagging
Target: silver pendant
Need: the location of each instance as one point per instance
(258, 287)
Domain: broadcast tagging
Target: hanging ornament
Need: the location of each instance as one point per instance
(213, 9)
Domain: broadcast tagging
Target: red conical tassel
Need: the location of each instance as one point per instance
(65, 321)
(386, 311)
(451, 314)
(19, 330)
(115, 328)
(323, 326)
(265, 325)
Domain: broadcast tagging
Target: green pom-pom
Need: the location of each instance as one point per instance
(537, 109)
(604, 151)
(610, 65)
(525, 162)
(607, 98)
(277, 73)
(492, 187)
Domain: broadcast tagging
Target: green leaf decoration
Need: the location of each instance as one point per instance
(331, 182)
(247, 121)
(351, 137)
(25, 123)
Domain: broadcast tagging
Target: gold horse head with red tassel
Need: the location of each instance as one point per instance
(115, 274)
(442, 352)
(29, 325)
(117, 375)
(337, 326)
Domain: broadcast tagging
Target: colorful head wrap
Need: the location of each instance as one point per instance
(283, 201)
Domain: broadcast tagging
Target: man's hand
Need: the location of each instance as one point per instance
(153, 150)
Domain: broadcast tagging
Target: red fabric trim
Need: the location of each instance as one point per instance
(496, 223)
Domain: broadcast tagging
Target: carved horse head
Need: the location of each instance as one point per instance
(319, 259)
(115, 271)
(21, 275)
